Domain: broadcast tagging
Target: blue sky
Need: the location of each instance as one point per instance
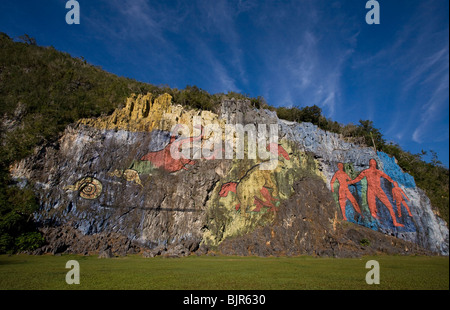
(293, 53)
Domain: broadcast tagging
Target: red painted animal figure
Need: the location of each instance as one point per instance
(163, 158)
(229, 187)
(267, 203)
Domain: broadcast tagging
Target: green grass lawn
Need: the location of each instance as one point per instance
(223, 273)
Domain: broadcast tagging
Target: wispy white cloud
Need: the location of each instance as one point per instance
(136, 33)
(432, 111)
(218, 19)
(415, 66)
(220, 79)
(308, 69)
(124, 20)
(430, 68)
(427, 86)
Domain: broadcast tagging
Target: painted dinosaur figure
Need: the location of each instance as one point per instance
(256, 187)
(163, 158)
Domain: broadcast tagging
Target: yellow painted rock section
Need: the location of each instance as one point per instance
(230, 222)
(143, 113)
(139, 114)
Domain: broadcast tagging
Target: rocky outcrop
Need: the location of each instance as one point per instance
(67, 239)
(143, 113)
(110, 185)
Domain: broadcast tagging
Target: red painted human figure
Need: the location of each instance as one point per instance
(344, 192)
(374, 190)
(398, 194)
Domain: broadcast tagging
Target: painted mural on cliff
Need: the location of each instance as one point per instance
(370, 198)
(87, 187)
(265, 191)
(369, 187)
(363, 198)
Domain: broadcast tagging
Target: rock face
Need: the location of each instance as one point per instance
(112, 185)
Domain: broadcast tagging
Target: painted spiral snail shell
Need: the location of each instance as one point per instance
(88, 187)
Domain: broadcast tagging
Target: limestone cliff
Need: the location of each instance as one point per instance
(113, 182)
